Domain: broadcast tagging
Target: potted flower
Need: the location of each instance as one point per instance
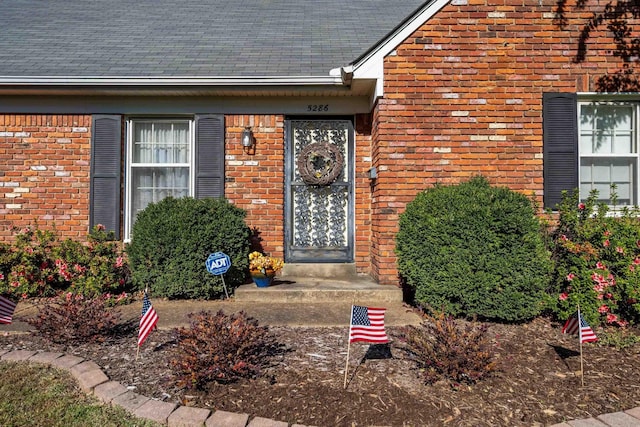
(263, 268)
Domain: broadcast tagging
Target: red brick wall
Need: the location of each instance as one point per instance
(363, 162)
(44, 173)
(380, 229)
(463, 96)
(255, 179)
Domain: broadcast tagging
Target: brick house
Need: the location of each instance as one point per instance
(105, 108)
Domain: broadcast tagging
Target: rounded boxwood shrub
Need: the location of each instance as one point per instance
(474, 250)
(172, 239)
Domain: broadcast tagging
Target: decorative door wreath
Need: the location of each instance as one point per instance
(320, 163)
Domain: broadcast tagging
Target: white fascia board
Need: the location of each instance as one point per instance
(171, 81)
(621, 96)
(371, 66)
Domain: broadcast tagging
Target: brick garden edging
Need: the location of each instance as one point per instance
(93, 380)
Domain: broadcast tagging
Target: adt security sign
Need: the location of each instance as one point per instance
(218, 263)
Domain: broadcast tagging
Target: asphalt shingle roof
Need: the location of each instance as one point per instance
(179, 38)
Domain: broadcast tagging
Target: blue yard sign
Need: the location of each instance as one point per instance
(218, 263)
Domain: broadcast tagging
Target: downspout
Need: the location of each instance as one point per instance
(346, 73)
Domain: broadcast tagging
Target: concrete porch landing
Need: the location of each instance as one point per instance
(320, 282)
(295, 289)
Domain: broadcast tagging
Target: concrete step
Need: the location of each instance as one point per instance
(295, 289)
(336, 271)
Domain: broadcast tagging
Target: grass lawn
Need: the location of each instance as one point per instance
(35, 395)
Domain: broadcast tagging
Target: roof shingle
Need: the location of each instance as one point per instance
(203, 38)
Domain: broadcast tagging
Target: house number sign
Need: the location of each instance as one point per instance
(317, 108)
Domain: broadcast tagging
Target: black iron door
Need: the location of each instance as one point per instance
(319, 191)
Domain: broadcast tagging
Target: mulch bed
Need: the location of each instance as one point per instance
(538, 382)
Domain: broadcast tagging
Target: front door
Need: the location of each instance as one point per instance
(319, 190)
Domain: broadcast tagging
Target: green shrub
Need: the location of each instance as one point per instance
(618, 338)
(597, 257)
(75, 319)
(39, 264)
(6, 264)
(173, 238)
(444, 350)
(474, 250)
(221, 348)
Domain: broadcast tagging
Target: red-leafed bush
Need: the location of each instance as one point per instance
(221, 348)
(76, 319)
(442, 349)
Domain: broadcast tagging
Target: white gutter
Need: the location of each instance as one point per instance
(171, 81)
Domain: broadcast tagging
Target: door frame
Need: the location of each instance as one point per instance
(292, 255)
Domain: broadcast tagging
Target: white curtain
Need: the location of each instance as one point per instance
(159, 143)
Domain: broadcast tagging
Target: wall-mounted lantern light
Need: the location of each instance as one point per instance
(373, 173)
(247, 139)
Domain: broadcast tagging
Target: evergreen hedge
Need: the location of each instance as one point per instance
(474, 250)
(172, 239)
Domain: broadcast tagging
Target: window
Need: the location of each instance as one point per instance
(165, 157)
(608, 151)
(160, 153)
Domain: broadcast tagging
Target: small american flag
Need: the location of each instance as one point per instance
(367, 325)
(577, 325)
(147, 321)
(6, 310)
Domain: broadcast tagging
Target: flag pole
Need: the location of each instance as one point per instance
(146, 290)
(346, 367)
(580, 339)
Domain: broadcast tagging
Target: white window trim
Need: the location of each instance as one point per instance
(622, 101)
(129, 163)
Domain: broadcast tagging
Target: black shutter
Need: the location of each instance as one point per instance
(106, 149)
(560, 145)
(209, 156)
